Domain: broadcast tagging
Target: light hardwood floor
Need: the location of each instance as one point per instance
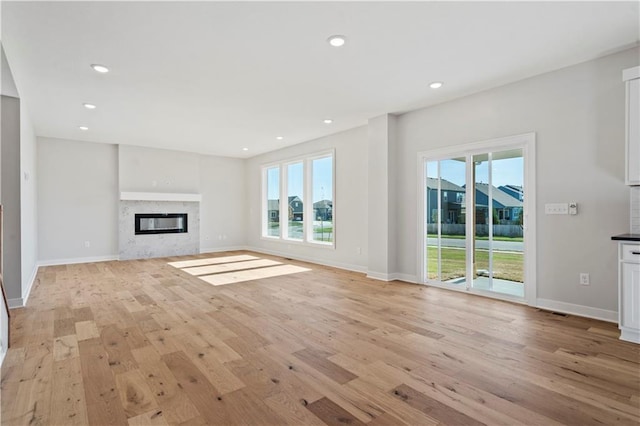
(144, 343)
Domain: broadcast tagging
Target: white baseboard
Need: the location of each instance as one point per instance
(339, 265)
(27, 292)
(221, 249)
(580, 310)
(405, 277)
(20, 302)
(396, 276)
(380, 276)
(75, 260)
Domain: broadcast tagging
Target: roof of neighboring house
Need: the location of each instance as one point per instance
(512, 190)
(501, 197)
(273, 204)
(323, 204)
(294, 198)
(445, 185)
(517, 188)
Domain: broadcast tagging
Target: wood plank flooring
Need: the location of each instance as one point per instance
(145, 343)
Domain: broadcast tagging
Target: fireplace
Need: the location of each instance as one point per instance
(160, 223)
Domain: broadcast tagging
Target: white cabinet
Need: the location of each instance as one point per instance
(629, 292)
(631, 77)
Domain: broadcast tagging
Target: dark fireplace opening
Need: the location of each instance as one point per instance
(161, 223)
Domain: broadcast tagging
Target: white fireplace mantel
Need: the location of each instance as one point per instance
(159, 196)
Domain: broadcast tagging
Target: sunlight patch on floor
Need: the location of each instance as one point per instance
(252, 274)
(235, 269)
(211, 261)
(228, 267)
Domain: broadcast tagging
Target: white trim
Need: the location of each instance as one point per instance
(339, 265)
(220, 249)
(380, 276)
(396, 276)
(630, 73)
(529, 221)
(74, 260)
(408, 278)
(26, 293)
(2, 355)
(159, 196)
(580, 310)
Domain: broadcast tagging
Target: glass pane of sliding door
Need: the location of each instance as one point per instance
(498, 246)
(445, 221)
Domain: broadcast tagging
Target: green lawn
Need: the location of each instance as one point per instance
(495, 238)
(323, 232)
(506, 265)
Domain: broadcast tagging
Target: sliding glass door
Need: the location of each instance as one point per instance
(474, 212)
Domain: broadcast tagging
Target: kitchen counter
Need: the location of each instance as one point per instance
(626, 237)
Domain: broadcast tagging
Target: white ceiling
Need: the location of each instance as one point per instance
(216, 77)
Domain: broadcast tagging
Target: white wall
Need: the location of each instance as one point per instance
(223, 210)
(157, 170)
(77, 200)
(7, 85)
(382, 203)
(28, 200)
(350, 201)
(79, 185)
(11, 235)
(578, 115)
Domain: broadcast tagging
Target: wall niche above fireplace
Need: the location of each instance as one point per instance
(160, 223)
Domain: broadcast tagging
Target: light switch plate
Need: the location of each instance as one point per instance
(556, 208)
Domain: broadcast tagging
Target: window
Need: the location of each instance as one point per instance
(272, 182)
(295, 185)
(322, 182)
(307, 185)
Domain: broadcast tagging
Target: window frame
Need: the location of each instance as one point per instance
(307, 199)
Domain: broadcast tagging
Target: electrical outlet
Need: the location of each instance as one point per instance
(584, 278)
(358, 250)
(87, 244)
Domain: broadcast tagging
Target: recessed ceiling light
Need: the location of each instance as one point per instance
(279, 138)
(327, 121)
(100, 68)
(89, 106)
(436, 84)
(337, 40)
(245, 149)
(83, 128)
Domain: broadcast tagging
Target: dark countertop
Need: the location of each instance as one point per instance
(626, 237)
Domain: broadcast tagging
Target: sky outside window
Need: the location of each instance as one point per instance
(505, 172)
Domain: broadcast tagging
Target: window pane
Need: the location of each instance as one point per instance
(295, 185)
(322, 181)
(483, 207)
(431, 206)
(273, 202)
(453, 263)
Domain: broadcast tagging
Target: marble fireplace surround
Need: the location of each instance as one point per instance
(133, 246)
